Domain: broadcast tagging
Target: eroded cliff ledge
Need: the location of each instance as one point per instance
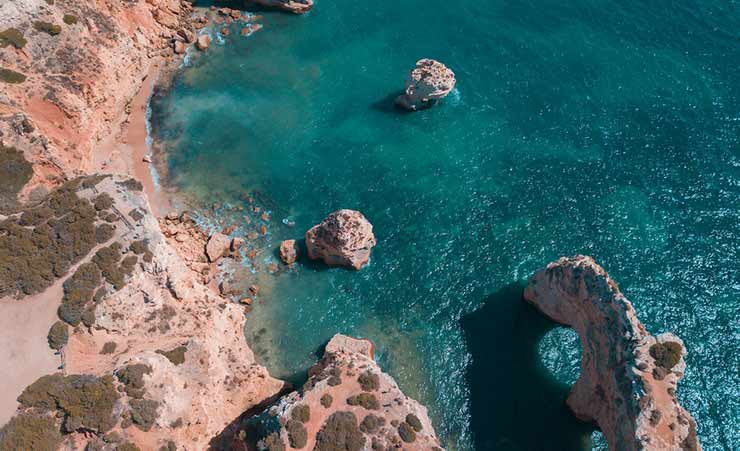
(348, 403)
(628, 377)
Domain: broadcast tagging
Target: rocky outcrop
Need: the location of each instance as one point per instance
(294, 6)
(203, 42)
(80, 78)
(218, 245)
(349, 403)
(628, 377)
(428, 82)
(173, 348)
(344, 238)
(288, 252)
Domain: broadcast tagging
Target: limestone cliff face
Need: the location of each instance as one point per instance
(628, 377)
(82, 63)
(349, 403)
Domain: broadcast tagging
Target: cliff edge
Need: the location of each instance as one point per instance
(628, 378)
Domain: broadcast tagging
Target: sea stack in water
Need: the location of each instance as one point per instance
(628, 377)
(428, 82)
(294, 6)
(348, 403)
(344, 238)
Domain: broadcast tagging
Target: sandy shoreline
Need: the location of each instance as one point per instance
(123, 152)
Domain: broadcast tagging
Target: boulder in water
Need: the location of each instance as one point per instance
(428, 82)
(288, 252)
(344, 238)
(218, 244)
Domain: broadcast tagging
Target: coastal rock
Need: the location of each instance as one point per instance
(294, 6)
(288, 252)
(179, 47)
(218, 245)
(344, 238)
(349, 403)
(428, 82)
(203, 42)
(628, 377)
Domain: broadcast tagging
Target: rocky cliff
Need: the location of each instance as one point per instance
(348, 403)
(628, 377)
(68, 71)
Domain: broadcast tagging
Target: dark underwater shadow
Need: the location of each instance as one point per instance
(514, 403)
(388, 104)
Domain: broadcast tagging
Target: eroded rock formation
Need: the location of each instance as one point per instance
(349, 403)
(628, 377)
(344, 238)
(288, 252)
(428, 82)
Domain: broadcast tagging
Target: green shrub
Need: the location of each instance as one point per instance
(366, 400)
(11, 76)
(69, 19)
(27, 431)
(127, 446)
(144, 413)
(47, 27)
(109, 348)
(136, 215)
(103, 202)
(176, 356)
(131, 184)
(369, 381)
(132, 376)
(371, 423)
(14, 37)
(58, 335)
(301, 412)
(406, 432)
(272, 442)
(85, 401)
(169, 446)
(88, 315)
(36, 216)
(340, 433)
(78, 291)
(15, 172)
(139, 247)
(414, 422)
(326, 400)
(666, 355)
(297, 434)
(104, 232)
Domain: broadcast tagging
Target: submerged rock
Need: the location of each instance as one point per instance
(428, 82)
(349, 403)
(628, 377)
(344, 238)
(288, 252)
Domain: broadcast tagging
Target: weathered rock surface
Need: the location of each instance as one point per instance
(428, 82)
(203, 42)
(288, 252)
(79, 81)
(218, 246)
(349, 403)
(200, 374)
(294, 6)
(344, 238)
(628, 377)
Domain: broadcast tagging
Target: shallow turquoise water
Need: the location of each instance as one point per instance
(577, 127)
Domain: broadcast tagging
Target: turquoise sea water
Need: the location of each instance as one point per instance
(605, 128)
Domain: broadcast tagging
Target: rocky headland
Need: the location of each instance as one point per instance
(348, 403)
(427, 83)
(142, 342)
(628, 378)
(344, 238)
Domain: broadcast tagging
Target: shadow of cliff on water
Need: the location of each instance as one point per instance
(514, 403)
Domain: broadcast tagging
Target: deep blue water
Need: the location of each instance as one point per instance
(610, 129)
